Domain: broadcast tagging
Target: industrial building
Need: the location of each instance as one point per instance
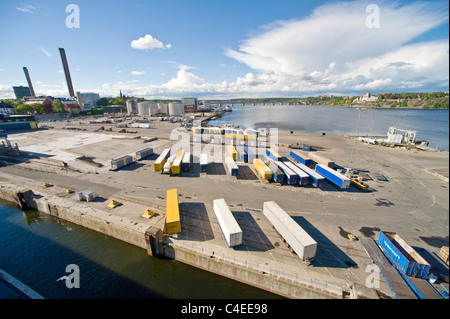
(21, 91)
(190, 104)
(89, 100)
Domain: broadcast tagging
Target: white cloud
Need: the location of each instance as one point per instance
(43, 50)
(137, 72)
(28, 9)
(333, 49)
(148, 42)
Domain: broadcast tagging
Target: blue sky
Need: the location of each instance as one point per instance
(226, 49)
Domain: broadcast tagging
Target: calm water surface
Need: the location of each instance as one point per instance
(36, 248)
(430, 125)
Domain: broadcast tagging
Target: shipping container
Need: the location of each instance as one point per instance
(121, 162)
(228, 224)
(241, 155)
(291, 177)
(315, 177)
(303, 178)
(161, 160)
(251, 140)
(300, 157)
(295, 236)
(231, 165)
(186, 163)
(251, 153)
(404, 256)
(232, 151)
(144, 153)
(278, 175)
(262, 169)
(176, 167)
(203, 162)
(273, 155)
(320, 159)
(251, 132)
(333, 176)
(172, 222)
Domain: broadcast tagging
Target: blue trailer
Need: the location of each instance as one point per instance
(404, 256)
(301, 158)
(273, 155)
(290, 177)
(203, 162)
(303, 178)
(251, 153)
(316, 178)
(241, 155)
(278, 175)
(333, 176)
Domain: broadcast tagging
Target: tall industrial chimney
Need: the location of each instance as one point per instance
(66, 71)
(30, 85)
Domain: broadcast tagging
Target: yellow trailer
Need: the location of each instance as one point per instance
(176, 166)
(161, 160)
(232, 151)
(173, 223)
(263, 170)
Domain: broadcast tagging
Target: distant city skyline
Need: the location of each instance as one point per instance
(225, 49)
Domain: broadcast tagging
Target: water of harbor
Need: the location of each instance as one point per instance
(430, 125)
(36, 249)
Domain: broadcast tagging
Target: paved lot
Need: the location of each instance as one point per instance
(412, 202)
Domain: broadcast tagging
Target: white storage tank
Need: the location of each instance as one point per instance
(163, 108)
(154, 110)
(176, 109)
(144, 108)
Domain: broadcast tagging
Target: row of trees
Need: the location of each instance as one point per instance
(48, 106)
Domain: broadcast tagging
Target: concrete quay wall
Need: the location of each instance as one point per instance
(250, 274)
(106, 223)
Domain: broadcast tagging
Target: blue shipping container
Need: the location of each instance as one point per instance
(404, 256)
(251, 153)
(278, 175)
(333, 176)
(241, 155)
(316, 178)
(291, 177)
(303, 178)
(273, 155)
(301, 158)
